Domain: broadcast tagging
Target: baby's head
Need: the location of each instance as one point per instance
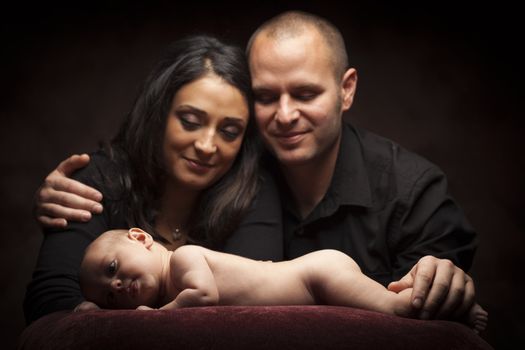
(122, 269)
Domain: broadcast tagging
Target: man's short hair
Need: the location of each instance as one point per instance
(294, 23)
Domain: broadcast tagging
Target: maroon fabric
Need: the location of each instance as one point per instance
(236, 327)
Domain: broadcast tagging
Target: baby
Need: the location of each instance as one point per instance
(128, 269)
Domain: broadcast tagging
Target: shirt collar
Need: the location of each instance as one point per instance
(350, 184)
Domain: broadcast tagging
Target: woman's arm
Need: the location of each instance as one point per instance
(54, 285)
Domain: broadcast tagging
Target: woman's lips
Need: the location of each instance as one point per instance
(197, 166)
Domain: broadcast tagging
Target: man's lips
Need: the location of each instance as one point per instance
(289, 138)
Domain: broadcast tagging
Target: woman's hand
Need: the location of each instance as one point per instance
(60, 198)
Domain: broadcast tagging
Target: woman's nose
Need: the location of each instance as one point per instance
(205, 143)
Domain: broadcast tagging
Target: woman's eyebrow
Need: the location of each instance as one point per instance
(237, 120)
(231, 119)
(191, 108)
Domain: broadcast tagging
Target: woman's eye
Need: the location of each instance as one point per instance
(189, 122)
(112, 268)
(231, 132)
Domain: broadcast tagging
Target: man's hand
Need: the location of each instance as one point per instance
(60, 198)
(86, 306)
(440, 288)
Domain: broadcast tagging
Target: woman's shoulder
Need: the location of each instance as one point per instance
(267, 183)
(266, 206)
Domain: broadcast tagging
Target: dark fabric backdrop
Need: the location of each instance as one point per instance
(442, 79)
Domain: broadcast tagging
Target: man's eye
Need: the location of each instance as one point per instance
(265, 98)
(306, 96)
(112, 268)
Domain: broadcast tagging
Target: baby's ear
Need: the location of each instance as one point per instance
(136, 234)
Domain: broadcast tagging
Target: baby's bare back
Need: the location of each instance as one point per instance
(242, 281)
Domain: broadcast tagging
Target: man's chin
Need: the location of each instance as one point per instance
(293, 158)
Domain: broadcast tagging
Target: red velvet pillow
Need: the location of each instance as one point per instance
(238, 327)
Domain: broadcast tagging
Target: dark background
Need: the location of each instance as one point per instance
(442, 79)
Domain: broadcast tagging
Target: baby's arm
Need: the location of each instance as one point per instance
(191, 274)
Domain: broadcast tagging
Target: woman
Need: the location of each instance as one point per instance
(183, 165)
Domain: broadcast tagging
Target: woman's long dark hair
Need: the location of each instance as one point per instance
(137, 148)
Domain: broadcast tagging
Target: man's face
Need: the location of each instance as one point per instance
(298, 99)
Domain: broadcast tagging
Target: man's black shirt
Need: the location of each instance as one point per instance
(386, 207)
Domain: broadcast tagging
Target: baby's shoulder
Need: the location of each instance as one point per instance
(190, 251)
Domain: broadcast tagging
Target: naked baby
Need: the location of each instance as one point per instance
(125, 269)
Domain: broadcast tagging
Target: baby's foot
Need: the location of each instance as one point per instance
(403, 306)
(477, 318)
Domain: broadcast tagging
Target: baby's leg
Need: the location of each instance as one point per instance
(335, 279)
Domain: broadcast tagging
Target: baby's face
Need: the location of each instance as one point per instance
(121, 275)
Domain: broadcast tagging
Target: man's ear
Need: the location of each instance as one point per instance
(348, 87)
(136, 234)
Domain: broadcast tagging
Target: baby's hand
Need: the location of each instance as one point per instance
(85, 306)
(144, 307)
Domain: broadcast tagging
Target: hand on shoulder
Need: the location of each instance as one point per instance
(61, 199)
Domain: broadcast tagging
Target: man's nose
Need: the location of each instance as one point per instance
(287, 112)
(205, 143)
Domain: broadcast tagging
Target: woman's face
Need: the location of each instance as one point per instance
(204, 132)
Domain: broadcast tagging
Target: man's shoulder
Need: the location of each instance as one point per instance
(387, 155)
(393, 169)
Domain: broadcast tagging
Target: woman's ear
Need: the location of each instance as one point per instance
(136, 234)
(348, 87)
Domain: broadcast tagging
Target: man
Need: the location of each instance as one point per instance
(341, 188)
